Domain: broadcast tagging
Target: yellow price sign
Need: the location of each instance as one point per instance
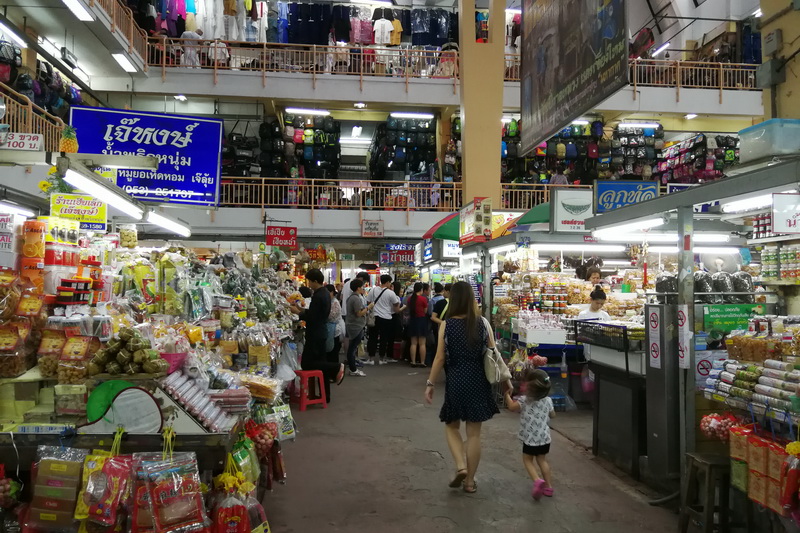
(90, 212)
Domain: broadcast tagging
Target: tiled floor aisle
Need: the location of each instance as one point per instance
(376, 461)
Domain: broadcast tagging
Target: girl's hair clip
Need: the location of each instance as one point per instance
(547, 379)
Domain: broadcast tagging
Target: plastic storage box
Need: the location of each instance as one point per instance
(777, 136)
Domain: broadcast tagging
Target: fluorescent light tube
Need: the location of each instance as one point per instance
(661, 48)
(427, 116)
(180, 97)
(579, 247)
(726, 250)
(354, 140)
(304, 111)
(663, 237)
(616, 262)
(5, 207)
(514, 11)
(639, 125)
(473, 255)
(506, 120)
(168, 224)
(9, 34)
(630, 226)
(690, 116)
(123, 61)
(757, 12)
(109, 196)
(748, 204)
(79, 11)
(581, 122)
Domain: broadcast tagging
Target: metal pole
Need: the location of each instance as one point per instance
(686, 297)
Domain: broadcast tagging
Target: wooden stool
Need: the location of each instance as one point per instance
(715, 473)
(304, 395)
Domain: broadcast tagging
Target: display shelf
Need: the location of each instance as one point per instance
(127, 377)
(758, 409)
(779, 238)
(31, 376)
(779, 283)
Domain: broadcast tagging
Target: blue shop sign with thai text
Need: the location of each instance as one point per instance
(698, 208)
(427, 250)
(613, 194)
(188, 148)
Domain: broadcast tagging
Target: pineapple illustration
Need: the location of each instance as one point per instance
(69, 141)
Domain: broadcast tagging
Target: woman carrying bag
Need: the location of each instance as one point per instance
(464, 339)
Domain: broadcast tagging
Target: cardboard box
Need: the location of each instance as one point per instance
(56, 473)
(757, 487)
(53, 504)
(49, 520)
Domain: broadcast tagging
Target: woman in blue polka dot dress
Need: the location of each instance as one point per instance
(468, 395)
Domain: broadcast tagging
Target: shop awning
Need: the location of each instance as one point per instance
(430, 234)
(449, 231)
(538, 215)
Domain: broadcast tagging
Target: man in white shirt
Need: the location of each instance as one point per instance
(382, 334)
(191, 48)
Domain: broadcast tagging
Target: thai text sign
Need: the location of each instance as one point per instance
(90, 212)
(372, 228)
(785, 213)
(613, 194)
(569, 209)
(729, 317)
(282, 237)
(188, 150)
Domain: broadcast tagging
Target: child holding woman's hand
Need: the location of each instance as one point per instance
(536, 408)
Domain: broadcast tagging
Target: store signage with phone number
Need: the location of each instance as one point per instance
(91, 213)
(188, 148)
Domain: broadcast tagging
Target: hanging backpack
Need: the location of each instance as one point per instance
(319, 153)
(265, 130)
(587, 130)
(391, 137)
(308, 136)
(319, 137)
(430, 139)
(288, 150)
(503, 149)
(571, 151)
(457, 125)
(513, 128)
(328, 125)
(288, 133)
(299, 123)
(275, 128)
(413, 126)
(430, 156)
(552, 149)
(541, 150)
(319, 122)
(298, 136)
(288, 119)
(308, 152)
(647, 172)
(597, 129)
(402, 138)
(513, 150)
(391, 123)
(659, 144)
(277, 145)
(592, 151)
(649, 153)
(583, 150)
(561, 150)
(576, 130)
(649, 132)
(309, 122)
(400, 156)
(265, 145)
(332, 139)
(420, 139)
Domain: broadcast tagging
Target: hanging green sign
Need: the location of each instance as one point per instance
(729, 317)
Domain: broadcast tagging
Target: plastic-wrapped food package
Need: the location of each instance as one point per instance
(724, 283)
(667, 283)
(175, 498)
(231, 516)
(703, 282)
(256, 515)
(743, 282)
(106, 490)
(57, 479)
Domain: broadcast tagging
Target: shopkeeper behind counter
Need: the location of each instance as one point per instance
(595, 311)
(592, 275)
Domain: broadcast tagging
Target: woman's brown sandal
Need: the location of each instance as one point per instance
(472, 490)
(461, 475)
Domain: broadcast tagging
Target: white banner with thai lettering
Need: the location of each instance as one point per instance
(785, 213)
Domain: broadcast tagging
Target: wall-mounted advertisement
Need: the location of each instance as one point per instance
(574, 56)
(569, 210)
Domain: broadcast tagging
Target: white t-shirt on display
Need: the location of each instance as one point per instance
(383, 31)
(588, 314)
(384, 305)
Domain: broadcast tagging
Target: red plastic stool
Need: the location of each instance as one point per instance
(303, 397)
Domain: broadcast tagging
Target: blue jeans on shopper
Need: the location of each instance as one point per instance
(352, 349)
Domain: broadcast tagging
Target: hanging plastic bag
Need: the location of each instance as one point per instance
(230, 516)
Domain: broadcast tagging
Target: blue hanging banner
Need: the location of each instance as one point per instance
(613, 194)
(188, 148)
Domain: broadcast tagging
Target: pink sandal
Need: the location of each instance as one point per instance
(548, 492)
(538, 488)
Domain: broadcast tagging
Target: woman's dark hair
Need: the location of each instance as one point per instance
(462, 303)
(598, 293)
(412, 302)
(397, 287)
(356, 284)
(331, 288)
(305, 291)
(537, 384)
(589, 271)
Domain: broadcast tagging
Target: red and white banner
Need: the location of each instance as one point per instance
(282, 237)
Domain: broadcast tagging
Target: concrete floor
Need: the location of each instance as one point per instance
(376, 461)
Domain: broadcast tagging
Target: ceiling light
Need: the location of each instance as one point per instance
(506, 120)
(79, 11)
(748, 204)
(180, 97)
(757, 12)
(629, 226)
(304, 111)
(124, 62)
(373, 2)
(103, 193)
(424, 116)
(579, 247)
(724, 250)
(581, 122)
(616, 262)
(639, 124)
(514, 11)
(353, 140)
(6, 207)
(359, 105)
(662, 237)
(8, 33)
(661, 48)
(690, 116)
(168, 224)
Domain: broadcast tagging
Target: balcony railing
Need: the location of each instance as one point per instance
(524, 196)
(23, 116)
(122, 22)
(405, 64)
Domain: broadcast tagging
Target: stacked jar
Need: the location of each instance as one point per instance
(770, 263)
(788, 259)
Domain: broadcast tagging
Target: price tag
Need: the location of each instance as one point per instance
(23, 141)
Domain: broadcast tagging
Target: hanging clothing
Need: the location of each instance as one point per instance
(262, 21)
(382, 13)
(218, 51)
(282, 24)
(382, 29)
(341, 23)
(367, 36)
(200, 20)
(397, 32)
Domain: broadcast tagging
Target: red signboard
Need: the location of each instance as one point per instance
(282, 237)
